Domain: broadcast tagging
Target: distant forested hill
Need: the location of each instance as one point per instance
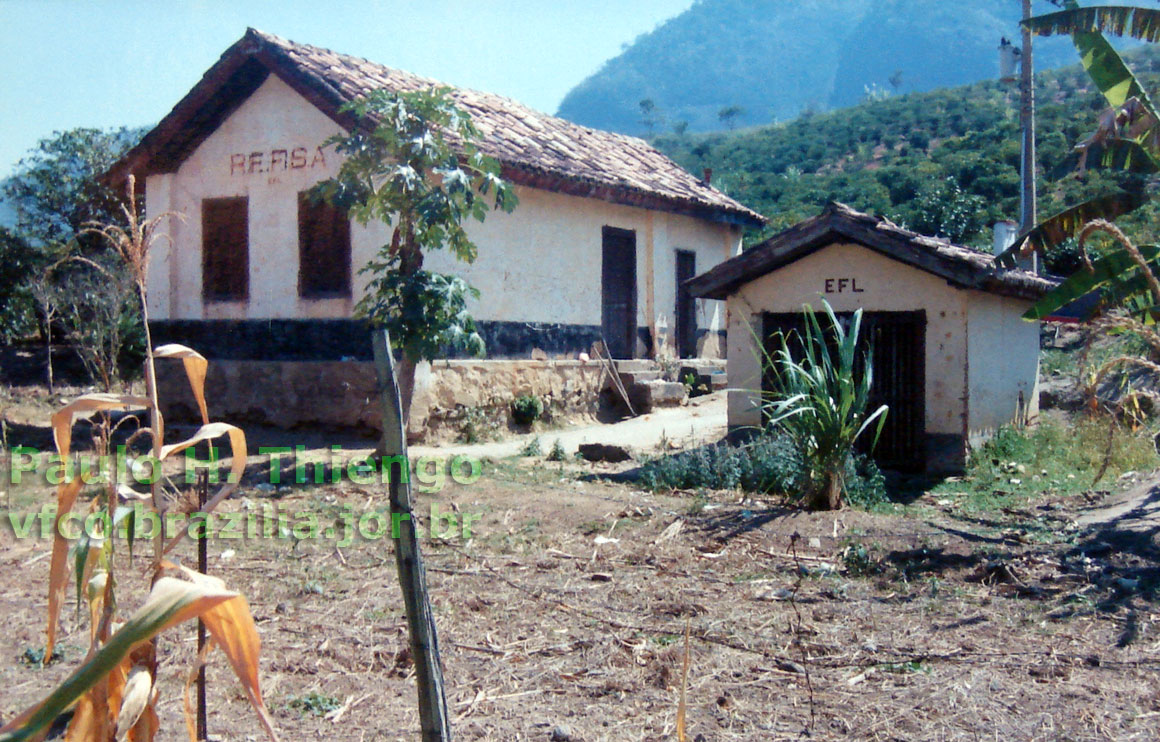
(943, 162)
(777, 58)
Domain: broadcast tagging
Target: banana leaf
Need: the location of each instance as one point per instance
(1118, 20)
(1115, 270)
(1068, 223)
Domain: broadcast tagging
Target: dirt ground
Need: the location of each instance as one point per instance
(563, 616)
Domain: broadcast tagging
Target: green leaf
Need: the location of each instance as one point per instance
(1118, 20)
(1113, 269)
(1068, 223)
(1126, 155)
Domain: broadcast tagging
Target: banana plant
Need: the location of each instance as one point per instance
(1126, 140)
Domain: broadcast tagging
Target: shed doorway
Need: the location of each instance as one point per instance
(618, 291)
(898, 343)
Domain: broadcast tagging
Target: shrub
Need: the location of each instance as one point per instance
(532, 448)
(768, 464)
(820, 399)
(526, 409)
(476, 425)
(557, 453)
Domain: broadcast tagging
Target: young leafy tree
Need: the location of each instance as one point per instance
(413, 164)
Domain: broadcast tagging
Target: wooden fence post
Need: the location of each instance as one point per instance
(433, 718)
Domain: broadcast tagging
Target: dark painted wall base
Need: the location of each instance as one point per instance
(349, 339)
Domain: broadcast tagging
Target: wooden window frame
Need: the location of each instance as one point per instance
(337, 257)
(225, 249)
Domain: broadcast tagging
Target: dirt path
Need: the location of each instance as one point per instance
(702, 420)
(1136, 509)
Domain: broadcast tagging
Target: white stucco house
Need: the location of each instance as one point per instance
(263, 282)
(952, 356)
(606, 229)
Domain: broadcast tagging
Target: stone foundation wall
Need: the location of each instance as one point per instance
(341, 394)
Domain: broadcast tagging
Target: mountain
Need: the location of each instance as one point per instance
(777, 58)
(944, 162)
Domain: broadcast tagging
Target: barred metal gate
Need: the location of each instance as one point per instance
(898, 343)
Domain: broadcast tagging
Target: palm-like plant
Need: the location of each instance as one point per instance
(820, 398)
(1126, 141)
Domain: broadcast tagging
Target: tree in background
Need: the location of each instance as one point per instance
(413, 164)
(55, 192)
(728, 115)
(18, 260)
(57, 188)
(945, 210)
(649, 116)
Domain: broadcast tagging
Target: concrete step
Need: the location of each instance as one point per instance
(648, 395)
(628, 378)
(632, 365)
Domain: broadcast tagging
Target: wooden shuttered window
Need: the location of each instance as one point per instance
(225, 249)
(323, 250)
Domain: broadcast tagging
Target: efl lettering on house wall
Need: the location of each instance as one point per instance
(275, 161)
(842, 286)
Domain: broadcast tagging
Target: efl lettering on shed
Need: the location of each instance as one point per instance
(842, 286)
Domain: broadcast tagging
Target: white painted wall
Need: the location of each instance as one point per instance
(1004, 372)
(538, 264)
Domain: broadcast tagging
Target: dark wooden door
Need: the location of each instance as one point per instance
(686, 313)
(618, 291)
(897, 343)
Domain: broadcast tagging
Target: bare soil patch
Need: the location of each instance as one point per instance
(564, 614)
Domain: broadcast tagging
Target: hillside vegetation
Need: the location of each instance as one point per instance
(773, 59)
(944, 162)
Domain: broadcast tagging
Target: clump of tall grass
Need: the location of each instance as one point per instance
(820, 400)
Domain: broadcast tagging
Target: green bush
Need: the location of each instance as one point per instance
(526, 409)
(557, 453)
(768, 464)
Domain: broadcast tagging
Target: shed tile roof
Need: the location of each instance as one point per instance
(960, 266)
(534, 149)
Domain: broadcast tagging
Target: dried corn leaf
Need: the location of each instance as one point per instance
(231, 626)
(171, 601)
(196, 367)
(62, 419)
(66, 497)
(237, 467)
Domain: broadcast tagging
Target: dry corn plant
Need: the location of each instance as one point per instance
(113, 695)
(1127, 406)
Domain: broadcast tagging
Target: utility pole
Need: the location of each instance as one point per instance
(1027, 216)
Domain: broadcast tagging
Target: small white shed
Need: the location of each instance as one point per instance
(953, 357)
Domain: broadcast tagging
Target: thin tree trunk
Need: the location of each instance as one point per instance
(405, 373)
(433, 717)
(48, 355)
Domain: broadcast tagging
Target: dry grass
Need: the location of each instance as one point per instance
(911, 636)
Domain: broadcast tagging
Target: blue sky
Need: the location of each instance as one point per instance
(69, 63)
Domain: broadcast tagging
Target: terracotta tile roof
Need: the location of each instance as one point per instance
(960, 266)
(535, 149)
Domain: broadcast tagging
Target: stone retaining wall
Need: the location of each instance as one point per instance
(341, 394)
